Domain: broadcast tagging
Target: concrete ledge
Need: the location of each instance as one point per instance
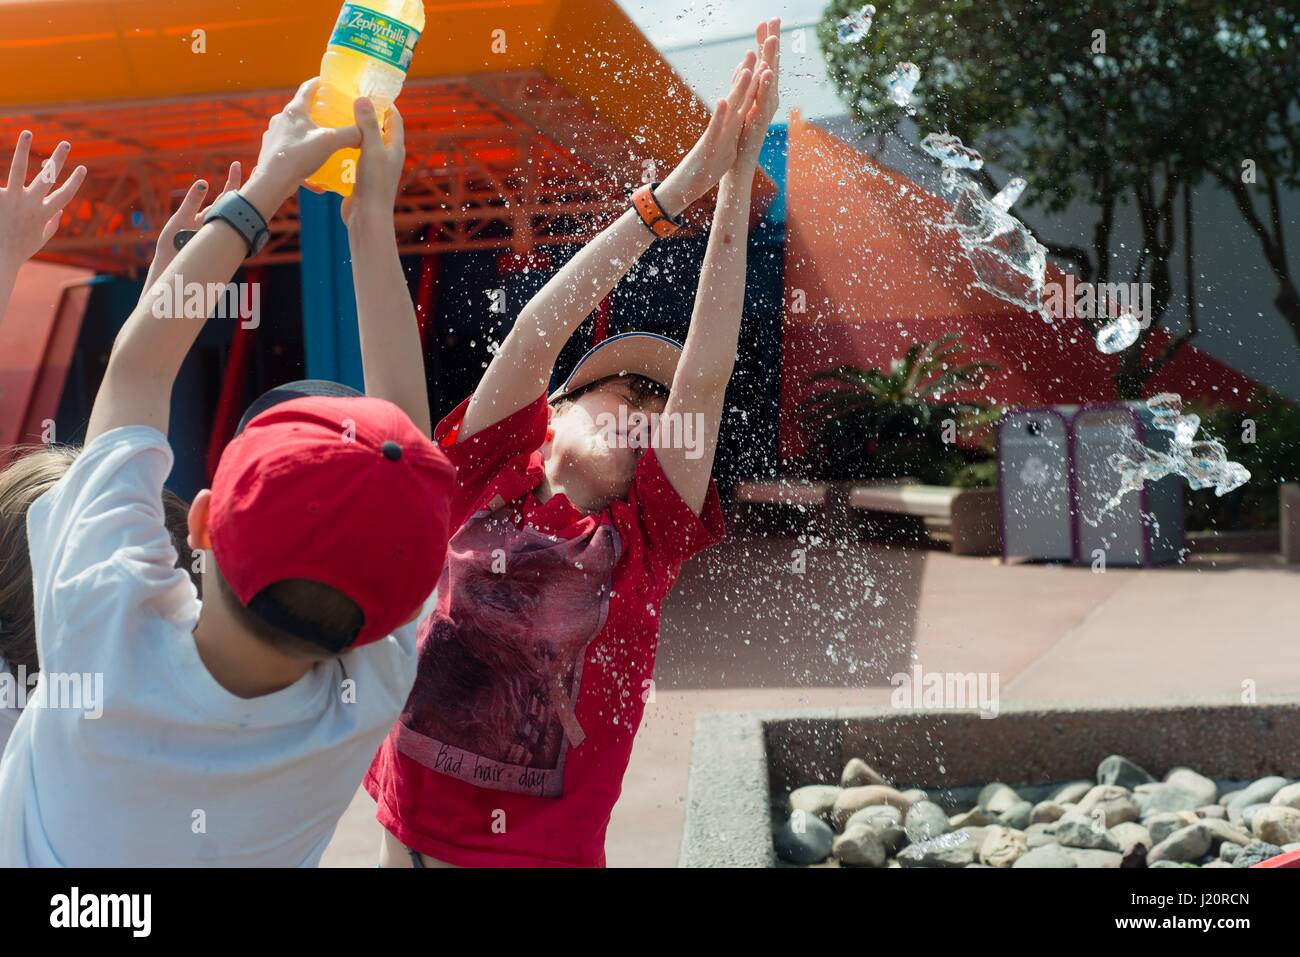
(782, 492)
(744, 763)
(728, 821)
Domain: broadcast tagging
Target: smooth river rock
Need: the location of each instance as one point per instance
(1002, 846)
(925, 820)
(858, 773)
(1186, 844)
(810, 844)
(861, 846)
(1122, 772)
(852, 800)
(817, 799)
(1049, 855)
(1276, 825)
(956, 849)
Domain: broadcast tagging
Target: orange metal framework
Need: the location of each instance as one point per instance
(528, 121)
(481, 172)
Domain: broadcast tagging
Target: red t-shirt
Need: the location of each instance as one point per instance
(535, 667)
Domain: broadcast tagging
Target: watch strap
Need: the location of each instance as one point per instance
(654, 216)
(241, 215)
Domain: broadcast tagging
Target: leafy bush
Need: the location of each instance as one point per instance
(874, 425)
(982, 474)
(1265, 438)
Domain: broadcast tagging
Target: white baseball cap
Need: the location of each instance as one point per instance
(636, 353)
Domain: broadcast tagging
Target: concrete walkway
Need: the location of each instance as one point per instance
(742, 631)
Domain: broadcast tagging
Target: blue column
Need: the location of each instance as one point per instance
(773, 158)
(330, 337)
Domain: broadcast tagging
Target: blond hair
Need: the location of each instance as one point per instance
(33, 472)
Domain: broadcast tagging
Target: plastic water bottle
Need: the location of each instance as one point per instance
(369, 53)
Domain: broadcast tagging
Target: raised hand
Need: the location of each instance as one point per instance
(29, 213)
(188, 216)
(766, 97)
(293, 147)
(715, 151)
(379, 169)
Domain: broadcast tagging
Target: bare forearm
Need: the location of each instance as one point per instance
(586, 279)
(148, 351)
(710, 349)
(522, 369)
(700, 385)
(392, 357)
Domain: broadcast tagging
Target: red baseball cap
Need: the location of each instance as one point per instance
(344, 491)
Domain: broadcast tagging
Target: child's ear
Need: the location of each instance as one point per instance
(198, 539)
(550, 427)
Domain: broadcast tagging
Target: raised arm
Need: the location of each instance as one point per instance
(700, 385)
(189, 215)
(520, 371)
(150, 347)
(29, 213)
(392, 358)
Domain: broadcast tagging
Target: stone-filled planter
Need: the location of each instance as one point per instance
(745, 764)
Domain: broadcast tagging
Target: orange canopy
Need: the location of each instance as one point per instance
(526, 119)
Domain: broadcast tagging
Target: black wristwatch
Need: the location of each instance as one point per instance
(240, 215)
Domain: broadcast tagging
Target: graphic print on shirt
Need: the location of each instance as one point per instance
(500, 666)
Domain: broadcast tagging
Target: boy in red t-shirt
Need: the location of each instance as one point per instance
(575, 516)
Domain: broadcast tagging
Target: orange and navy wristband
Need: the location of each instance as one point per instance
(654, 216)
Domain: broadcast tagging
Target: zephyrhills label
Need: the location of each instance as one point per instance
(376, 35)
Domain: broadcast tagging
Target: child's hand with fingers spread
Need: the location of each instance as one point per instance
(379, 169)
(29, 214)
(188, 216)
(765, 101)
(293, 147)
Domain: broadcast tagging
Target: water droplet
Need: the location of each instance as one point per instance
(950, 151)
(1118, 335)
(902, 82)
(854, 27)
(1008, 194)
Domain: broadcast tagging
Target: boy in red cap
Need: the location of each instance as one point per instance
(233, 732)
(574, 519)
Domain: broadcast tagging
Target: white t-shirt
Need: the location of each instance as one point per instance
(177, 770)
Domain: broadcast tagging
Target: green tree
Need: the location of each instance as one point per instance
(1115, 102)
(1254, 127)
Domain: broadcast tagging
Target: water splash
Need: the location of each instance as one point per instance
(1008, 262)
(854, 27)
(1008, 194)
(901, 83)
(1203, 464)
(943, 841)
(1118, 335)
(951, 151)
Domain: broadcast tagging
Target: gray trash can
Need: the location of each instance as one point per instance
(1145, 527)
(1034, 484)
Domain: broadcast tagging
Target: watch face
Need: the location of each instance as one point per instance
(259, 241)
